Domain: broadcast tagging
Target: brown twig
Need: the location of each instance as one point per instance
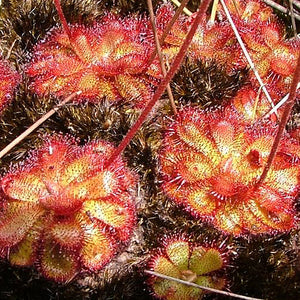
(205, 288)
(293, 17)
(10, 49)
(185, 10)
(160, 56)
(280, 8)
(285, 116)
(168, 28)
(173, 20)
(37, 124)
(164, 82)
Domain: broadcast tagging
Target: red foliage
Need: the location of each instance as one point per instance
(108, 60)
(274, 56)
(63, 211)
(211, 163)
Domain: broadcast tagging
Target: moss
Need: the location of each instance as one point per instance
(28, 21)
(266, 268)
(208, 84)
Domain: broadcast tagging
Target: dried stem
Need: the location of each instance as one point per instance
(185, 10)
(10, 49)
(280, 8)
(250, 62)
(36, 124)
(279, 104)
(160, 56)
(62, 18)
(205, 288)
(168, 28)
(286, 113)
(293, 17)
(213, 11)
(164, 82)
(236, 8)
(173, 20)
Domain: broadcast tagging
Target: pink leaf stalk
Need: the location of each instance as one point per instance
(163, 84)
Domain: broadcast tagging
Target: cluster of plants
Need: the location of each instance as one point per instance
(118, 182)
